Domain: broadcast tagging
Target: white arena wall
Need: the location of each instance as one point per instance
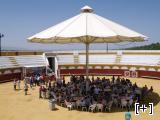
(129, 63)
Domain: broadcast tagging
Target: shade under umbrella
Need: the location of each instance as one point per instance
(87, 28)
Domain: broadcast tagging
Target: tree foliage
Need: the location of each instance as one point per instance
(153, 46)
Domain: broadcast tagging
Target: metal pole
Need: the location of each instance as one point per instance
(107, 47)
(1, 35)
(87, 60)
(0, 43)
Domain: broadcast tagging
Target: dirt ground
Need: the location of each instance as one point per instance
(14, 105)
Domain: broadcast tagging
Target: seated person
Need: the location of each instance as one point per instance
(135, 85)
(151, 89)
(146, 88)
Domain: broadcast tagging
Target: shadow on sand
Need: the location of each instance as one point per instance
(151, 97)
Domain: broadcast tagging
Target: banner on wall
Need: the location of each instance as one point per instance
(131, 74)
(134, 74)
(127, 73)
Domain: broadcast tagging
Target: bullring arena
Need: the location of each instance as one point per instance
(142, 67)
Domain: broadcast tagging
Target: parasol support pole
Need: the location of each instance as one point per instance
(87, 60)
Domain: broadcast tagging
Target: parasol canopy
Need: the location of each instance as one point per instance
(87, 28)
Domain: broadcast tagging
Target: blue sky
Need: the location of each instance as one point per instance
(20, 19)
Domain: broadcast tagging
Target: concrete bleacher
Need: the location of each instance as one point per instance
(34, 60)
(11, 66)
(140, 59)
(110, 59)
(97, 59)
(5, 62)
(22, 61)
(65, 59)
(145, 63)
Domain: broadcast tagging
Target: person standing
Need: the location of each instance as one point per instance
(38, 80)
(40, 92)
(14, 84)
(18, 83)
(25, 80)
(44, 92)
(25, 89)
(128, 115)
(35, 80)
(31, 82)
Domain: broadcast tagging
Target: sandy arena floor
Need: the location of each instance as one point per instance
(14, 105)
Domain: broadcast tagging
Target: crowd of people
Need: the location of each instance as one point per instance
(93, 94)
(31, 81)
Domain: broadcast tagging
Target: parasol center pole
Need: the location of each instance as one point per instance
(87, 60)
